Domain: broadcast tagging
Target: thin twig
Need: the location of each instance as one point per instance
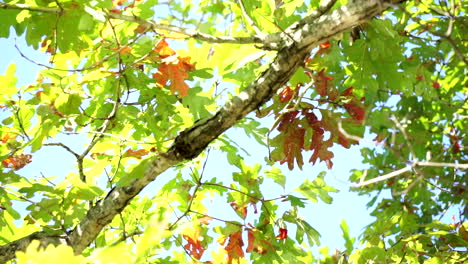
(192, 198)
(321, 10)
(381, 178)
(405, 136)
(405, 169)
(217, 219)
(59, 144)
(250, 21)
(457, 50)
(30, 8)
(91, 67)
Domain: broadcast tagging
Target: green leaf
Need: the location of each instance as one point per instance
(11, 211)
(8, 81)
(277, 176)
(317, 188)
(86, 23)
(68, 103)
(303, 228)
(299, 77)
(349, 241)
(203, 73)
(136, 172)
(85, 192)
(296, 201)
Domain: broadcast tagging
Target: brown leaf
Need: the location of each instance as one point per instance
(17, 162)
(257, 243)
(193, 246)
(234, 247)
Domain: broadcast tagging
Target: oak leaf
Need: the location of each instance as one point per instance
(257, 243)
(172, 68)
(322, 82)
(194, 246)
(234, 247)
(17, 162)
(355, 110)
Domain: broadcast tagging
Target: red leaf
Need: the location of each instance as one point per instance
(283, 234)
(234, 247)
(343, 141)
(322, 82)
(456, 148)
(355, 110)
(320, 148)
(325, 45)
(292, 147)
(287, 119)
(286, 94)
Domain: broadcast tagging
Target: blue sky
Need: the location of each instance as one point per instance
(55, 161)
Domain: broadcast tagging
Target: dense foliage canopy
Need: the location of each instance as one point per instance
(149, 87)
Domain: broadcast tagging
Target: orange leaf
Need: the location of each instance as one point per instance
(125, 50)
(194, 246)
(234, 247)
(17, 162)
(7, 137)
(325, 45)
(205, 219)
(174, 69)
(141, 29)
(163, 49)
(286, 94)
(136, 153)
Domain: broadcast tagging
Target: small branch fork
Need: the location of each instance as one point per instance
(414, 165)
